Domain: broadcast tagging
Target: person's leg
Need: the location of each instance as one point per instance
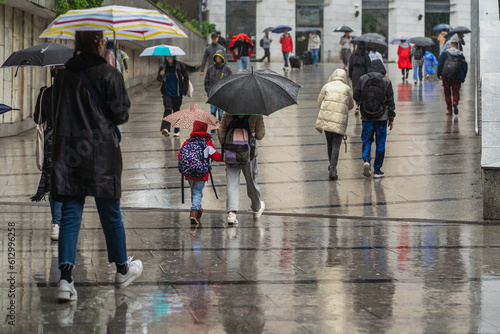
(420, 72)
(268, 55)
(455, 85)
(336, 142)
(177, 102)
(329, 138)
(415, 74)
(367, 139)
(239, 62)
(233, 187)
(112, 226)
(246, 61)
(213, 110)
(71, 219)
(196, 193)
(168, 109)
(381, 135)
(250, 172)
(285, 56)
(55, 210)
(447, 94)
(221, 112)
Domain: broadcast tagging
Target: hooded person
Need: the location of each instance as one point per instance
(242, 48)
(404, 60)
(358, 64)
(452, 69)
(335, 100)
(216, 72)
(375, 96)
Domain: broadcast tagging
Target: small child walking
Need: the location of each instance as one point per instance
(202, 139)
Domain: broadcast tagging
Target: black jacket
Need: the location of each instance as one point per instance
(181, 74)
(86, 155)
(216, 72)
(359, 63)
(44, 103)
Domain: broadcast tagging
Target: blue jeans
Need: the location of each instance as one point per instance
(420, 75)
(315, 56)
(285, 56)
(55, 211)
(196, 193)
(214, 110)
(111, 222)
(243, 62)
(379, 129)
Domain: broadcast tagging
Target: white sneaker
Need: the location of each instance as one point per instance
(177, 134)
(231, 218)
(54, 234)
(257, 214)
(134, 271)
(366, 169)
(66, 291)
(165, 132)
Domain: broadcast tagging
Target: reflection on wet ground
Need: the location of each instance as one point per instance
(396, 255)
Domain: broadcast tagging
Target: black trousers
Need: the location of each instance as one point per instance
(267, 54)
(171, 105)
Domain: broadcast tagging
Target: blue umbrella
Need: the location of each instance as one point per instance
(4, 108)
(163, 50)
(281, 29)
(310, 30)
(442, 26)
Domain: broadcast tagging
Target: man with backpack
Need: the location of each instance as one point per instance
(452, 69)
(417, 53)
(375, 96)
(194, 165)
(238, 135)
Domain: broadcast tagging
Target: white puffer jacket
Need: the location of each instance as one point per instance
(335, 101)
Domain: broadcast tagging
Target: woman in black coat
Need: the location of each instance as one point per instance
(90, 100)
(359, 63)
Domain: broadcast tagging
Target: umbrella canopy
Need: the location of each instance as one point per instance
(369, 39)
(281, 29)
(460, 29)
(374, 35)
(442, 26)
(343, 29)
(398, 40)
(250, 92)
(310, 30)
(268, 29)
(421, 41)
(46, 54)
(163, 50)
(119, 22)
(185, 118)
(4, 108)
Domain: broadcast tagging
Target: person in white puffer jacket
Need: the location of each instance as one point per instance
(335, 100)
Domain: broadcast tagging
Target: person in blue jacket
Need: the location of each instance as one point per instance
(430, 63)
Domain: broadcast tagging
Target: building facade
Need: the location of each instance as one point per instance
(391, 18)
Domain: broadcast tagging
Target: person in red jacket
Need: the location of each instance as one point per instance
(286, 46)
(198, 183)
(404, 61)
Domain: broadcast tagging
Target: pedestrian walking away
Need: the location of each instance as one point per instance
(265, 43)
(238, 136)
(359, 63)
(175, 84)
(85, 94)
(314, 45)
(216, 72)
(335, 100)
(211, 49)
(404, 61)
(122, 60)
(374, 54)
(194, 155)
(286, 42)
(375, 96)
(241, 46)
(346, 48)
(417, 54)
(430, 62)
(452, 69)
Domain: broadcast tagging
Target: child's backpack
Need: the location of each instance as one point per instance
(418, 53)
(238, 144)
(373, 98)
(450, 68)
(192, 161)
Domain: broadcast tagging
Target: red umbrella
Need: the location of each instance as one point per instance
(244, 37)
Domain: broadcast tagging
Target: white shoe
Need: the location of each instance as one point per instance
(231, 218)
(177, 134)
(66, 291)
(366, 169)
(66, 313)
(134, 271)
(165, 132)
(257, 214)
(54, 234)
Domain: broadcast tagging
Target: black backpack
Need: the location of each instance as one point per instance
(261, 42)
(450, 68)
(418, 54)
(373, 98)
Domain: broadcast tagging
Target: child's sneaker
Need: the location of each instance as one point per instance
(134, 271)
(231, 218)
(54, 234)
(193, 217)
(378, 174)
(66, 291)
(366, 169)
(257, 214)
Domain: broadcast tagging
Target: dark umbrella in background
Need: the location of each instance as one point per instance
(421, 41)
(45, 54)
(457, 30)
(369, 39)
(4, 108)
(268, 29)
(281, 29)
(374, 35)
(250, 92)
(343, 29)
(442, 26)
(310, 30)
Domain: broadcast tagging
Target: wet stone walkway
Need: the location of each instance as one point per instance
(405, 254)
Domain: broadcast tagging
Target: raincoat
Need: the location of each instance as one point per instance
(286, 43)
(216, 72)
(335, 101)
(237, 49)
(430, 61)
(404, 57)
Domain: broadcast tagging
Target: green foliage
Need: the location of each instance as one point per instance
(207, 27)
(176, 11)
(62, 6)
(195, 29)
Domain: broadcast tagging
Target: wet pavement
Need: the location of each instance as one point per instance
(405, 254)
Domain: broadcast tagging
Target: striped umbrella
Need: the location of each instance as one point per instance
(118, 22)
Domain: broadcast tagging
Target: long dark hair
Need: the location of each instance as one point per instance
(87, 41)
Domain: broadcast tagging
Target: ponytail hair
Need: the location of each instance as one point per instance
(88, 41)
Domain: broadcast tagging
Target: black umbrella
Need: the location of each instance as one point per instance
(268, 29)
(310, 30)
(4, 108)
(343, 29)
(250, 92)
(463, 30)
(421, 41)
(369, 39)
